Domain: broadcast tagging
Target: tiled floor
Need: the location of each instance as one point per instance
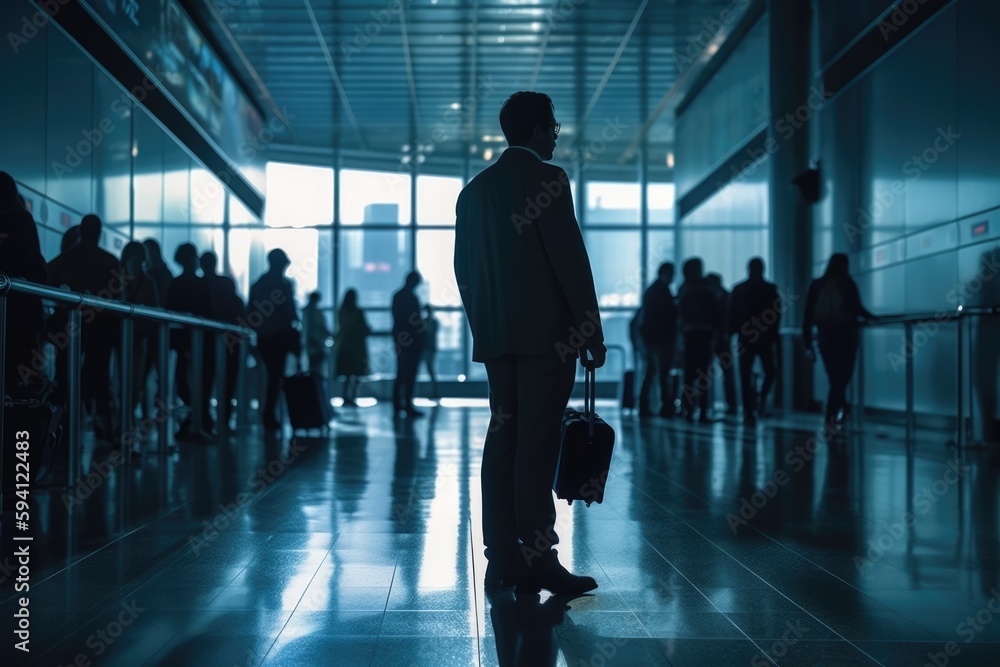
(715, 546)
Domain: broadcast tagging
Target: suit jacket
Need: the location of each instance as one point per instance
(751, 301)
(522, 269)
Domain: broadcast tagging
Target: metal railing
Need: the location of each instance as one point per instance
(909, 321)
(76, 303)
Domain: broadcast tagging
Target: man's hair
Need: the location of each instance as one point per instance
(185, 253)
(666, 269)
(522, 113)
(90, 228)
(692, 269)
(755, 267)
(209, 261)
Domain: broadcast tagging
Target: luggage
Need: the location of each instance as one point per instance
(30, 411)
(585, 450)
(307, 401)
(628, 391)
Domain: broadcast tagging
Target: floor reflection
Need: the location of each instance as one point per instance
(717, 544)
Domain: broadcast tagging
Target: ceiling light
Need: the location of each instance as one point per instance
(455, 105)
(670, 160)
(406, 148)
(488, 154)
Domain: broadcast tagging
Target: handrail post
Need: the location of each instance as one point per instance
(163, 381)
(908, 354)
(223, 399)
(859, 383)
(73, 394)
(960, 436)
(125, 369)
(242, 404)
(195, 371)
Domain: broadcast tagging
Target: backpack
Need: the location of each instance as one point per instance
(830, 310)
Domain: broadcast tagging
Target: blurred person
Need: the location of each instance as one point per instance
(351, 346)
(272, 307)
(316, 333)
(20, 257)
(722, 351)
(833, 306)
(429, 351)
(658, 333)
(228, 308)
(528, 291)
(157, 270)
(139, 290)
(189, 293)
(408, 336)
(755, 318)
(86, 267)
(697, 307)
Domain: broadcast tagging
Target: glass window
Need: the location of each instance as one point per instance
(614, 258)
(207, 197)
(381, 197)
(435, 262)
(450, 359)
(240, 215)
(374, 262)
(660, 200)
(660, 250)
(726, 251)
(436, 197)
(298, 195)
(612, 203)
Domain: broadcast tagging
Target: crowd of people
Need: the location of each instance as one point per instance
(699, 324)
(141, 276)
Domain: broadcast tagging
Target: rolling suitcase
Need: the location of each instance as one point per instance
(307, 401)
(585, 450)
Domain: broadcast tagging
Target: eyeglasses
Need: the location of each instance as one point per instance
(555, 128)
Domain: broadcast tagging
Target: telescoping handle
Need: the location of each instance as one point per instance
(589, 392)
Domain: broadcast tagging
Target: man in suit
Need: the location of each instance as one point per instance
(408, 334)
(755, 318)
(526, 284)
(659, 337)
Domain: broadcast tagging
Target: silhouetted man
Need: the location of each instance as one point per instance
(755, 317)
(229, 308)
(408, 336)
(722, 348)
(659, 337)
(527, 287)
(189, 294)
(272, 314)
(85, 267)
(833, 305)
(20, 257)
(699, 320)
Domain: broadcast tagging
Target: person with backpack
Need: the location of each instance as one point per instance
(833, 305)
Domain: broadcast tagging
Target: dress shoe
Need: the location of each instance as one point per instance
(546, 572)
(499, 575)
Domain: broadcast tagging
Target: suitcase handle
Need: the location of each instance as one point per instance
(590, 398)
